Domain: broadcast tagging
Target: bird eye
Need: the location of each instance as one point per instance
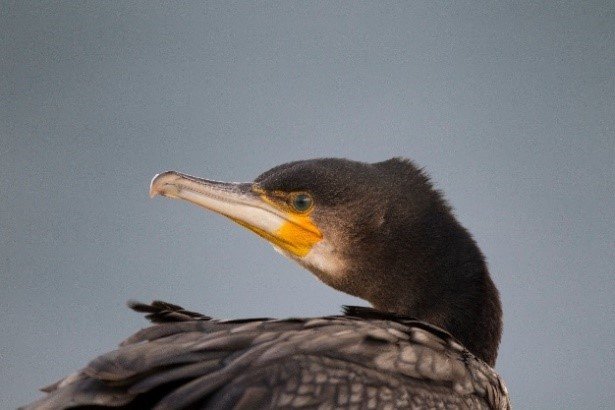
(301, 202)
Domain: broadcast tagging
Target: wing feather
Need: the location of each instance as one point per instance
(367, 359)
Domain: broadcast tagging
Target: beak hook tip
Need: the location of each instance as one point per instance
(153, 189)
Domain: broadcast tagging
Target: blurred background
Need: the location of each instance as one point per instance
(510, 108)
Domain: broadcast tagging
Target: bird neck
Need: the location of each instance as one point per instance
(434, 271)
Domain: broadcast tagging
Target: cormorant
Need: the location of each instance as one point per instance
(377, 231)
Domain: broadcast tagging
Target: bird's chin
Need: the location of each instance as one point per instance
(322, 261)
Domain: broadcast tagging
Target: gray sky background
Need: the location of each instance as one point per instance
(510, 108)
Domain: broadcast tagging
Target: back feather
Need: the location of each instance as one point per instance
(366, 359)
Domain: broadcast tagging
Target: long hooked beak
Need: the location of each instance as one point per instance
(240, 202)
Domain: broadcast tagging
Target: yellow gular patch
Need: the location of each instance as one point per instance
(298, 235)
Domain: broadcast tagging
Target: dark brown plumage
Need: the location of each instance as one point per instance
(384, 234)
(367, 359)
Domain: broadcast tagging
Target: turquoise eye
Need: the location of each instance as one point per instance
(302, 202)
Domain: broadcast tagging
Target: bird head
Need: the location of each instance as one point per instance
(377, 231)
(329, 215)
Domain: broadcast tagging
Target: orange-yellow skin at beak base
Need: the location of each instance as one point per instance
(297, 236)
